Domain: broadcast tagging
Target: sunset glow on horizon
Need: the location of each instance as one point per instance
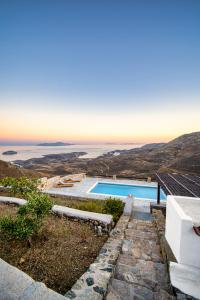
(99, 72)
(130, 127)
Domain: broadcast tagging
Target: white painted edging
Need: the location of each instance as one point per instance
(66, 211)
(179, 233)
(80, 214)
(12, 200)
(185, 278)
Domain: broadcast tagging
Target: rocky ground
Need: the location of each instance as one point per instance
(8, 169)
(51, 164)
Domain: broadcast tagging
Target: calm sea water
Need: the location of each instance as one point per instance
(26, 152)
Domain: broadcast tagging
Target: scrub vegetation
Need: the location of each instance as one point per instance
(111, 206)
(51, 249)
(29, 217)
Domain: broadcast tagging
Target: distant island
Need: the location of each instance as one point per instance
(9, 152)
(54, 144)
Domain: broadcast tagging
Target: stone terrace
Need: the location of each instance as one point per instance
(82, 189)
(140, 272)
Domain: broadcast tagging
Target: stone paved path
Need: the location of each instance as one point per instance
(140, 272)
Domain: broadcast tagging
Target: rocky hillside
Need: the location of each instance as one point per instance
(8, 169)
(52, 164)
(181, 155)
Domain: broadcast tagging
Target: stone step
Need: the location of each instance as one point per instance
(141, 215)
(132, 233)
(142, 249)
(140, 273)
(134, 224)
(141, 222)
(143, 227)
(121, 290)
(148, 274)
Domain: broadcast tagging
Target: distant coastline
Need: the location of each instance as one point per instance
(25, 152)
(54, 144)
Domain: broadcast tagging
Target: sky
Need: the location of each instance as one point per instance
(99, 70)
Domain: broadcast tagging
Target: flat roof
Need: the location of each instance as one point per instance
(179, 184)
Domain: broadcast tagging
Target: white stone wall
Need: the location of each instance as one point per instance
(179, 233)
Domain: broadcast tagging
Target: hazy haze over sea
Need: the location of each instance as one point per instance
(27, 152)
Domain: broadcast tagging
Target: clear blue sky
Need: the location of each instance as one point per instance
(100, 58)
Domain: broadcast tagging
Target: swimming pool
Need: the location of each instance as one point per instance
(138, 191)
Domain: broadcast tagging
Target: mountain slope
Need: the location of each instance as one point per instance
(179, 155)
(9, 170)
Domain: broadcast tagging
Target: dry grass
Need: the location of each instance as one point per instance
(60, 253)
(87, 205)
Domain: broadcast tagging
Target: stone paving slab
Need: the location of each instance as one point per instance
(142, 242)
(146, 273)
(142, 249)
(121, 290)
(132, 233)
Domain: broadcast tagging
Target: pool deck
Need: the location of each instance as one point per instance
(81, 189)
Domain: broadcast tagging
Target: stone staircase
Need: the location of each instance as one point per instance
(140, 272)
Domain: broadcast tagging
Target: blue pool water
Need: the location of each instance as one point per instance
(137, 191)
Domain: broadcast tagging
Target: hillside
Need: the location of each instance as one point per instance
(10, 170)
(181, 155)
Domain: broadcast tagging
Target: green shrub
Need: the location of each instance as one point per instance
(29, 217)
(19, 228)
(20, 186)
(114, 207)
(38, 205)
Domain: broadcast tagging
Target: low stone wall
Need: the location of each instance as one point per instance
(159, 221)
(12, 200)
(101, 222)
(92, 285)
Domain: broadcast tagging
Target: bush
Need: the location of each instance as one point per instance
(38, 205)
(114, 207)
(19, 228)
(20, 186)
(29, 218)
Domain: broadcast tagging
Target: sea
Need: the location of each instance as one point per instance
(94, 150)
